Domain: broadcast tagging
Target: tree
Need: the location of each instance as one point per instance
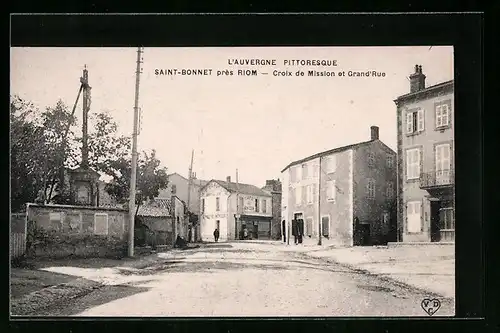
(37, 150)
(151, 178)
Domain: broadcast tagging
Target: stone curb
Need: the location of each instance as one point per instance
(381, 276)
(41, 299)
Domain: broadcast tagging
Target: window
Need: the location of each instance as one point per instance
(443, 164)
(298, 175)
(370, 189)
(330, 190)
(298, 195)
(331, 164)
(101, 223)
(264, 206)
(310, 194)
(442, 115)
(316, 170)
(447, 218)
(174, 189)
(305, 173)
(311, 170)
(217, 204)
(292, 175)
(371, 159)
(202, 206)
(390, 161)
(414, 223)
(256, 205)
(413, 163)
(415, 121)
(389, 191)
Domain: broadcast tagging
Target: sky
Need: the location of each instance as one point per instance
(256, 124)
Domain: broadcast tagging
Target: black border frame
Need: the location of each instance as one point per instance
(463, 31)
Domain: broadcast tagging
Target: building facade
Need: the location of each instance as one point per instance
(273, 187)
(231, 207)
(179, 186)
(426, 161)
(349, 192)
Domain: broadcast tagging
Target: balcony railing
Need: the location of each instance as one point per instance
(439, 178)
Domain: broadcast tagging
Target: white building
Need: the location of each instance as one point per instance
(230, 207)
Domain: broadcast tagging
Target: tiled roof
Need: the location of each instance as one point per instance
(327, 152)
(242, 188)
(156, 208)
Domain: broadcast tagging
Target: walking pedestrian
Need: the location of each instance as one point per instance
(216, 234)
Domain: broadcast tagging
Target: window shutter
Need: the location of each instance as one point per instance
(420, 163)
(438, 115)
(445, 115)
(409, 122)
(421, 122)
(409, 154)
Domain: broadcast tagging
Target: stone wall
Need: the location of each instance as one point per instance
(59, 231)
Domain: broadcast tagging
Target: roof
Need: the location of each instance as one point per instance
(428, 89)
(196, 181)
(328, 152)
(241, 188)
(156, 208)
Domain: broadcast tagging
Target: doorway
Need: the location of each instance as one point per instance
(435, 221)
(255, 234)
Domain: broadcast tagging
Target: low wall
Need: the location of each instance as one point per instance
(60, 231)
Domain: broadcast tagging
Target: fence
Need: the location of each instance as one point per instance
(17, 235)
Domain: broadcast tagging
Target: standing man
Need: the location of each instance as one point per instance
(295, 231)
(216, 234)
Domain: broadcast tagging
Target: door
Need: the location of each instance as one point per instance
(435, 222)
(255, 231)
(365, 234)
(443, 163)
(325, 222)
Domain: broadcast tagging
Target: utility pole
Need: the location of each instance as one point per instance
(189, 188)
(320, 223)
(237, 215)
(133, 176)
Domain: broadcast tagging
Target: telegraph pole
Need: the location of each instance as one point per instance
(320, 224)
(238, 208)
(133, 176)
(189, 190)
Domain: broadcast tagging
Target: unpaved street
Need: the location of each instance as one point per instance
(248, 280)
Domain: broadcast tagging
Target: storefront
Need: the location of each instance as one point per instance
(258, 227)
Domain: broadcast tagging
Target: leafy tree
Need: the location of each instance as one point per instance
(151, 178)
(37, 149)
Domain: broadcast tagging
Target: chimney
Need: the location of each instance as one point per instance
(228, 179)
(417, 80)
(374, 132)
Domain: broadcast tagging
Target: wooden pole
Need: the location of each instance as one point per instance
(190, 177)
(320, 224)
(133, 176)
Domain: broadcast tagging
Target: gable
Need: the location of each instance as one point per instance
(215, 189)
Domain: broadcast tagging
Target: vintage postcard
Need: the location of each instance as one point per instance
(232, 181)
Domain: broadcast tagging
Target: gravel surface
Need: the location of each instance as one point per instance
(243, 280)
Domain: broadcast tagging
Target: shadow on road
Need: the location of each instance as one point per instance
(104, 295)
